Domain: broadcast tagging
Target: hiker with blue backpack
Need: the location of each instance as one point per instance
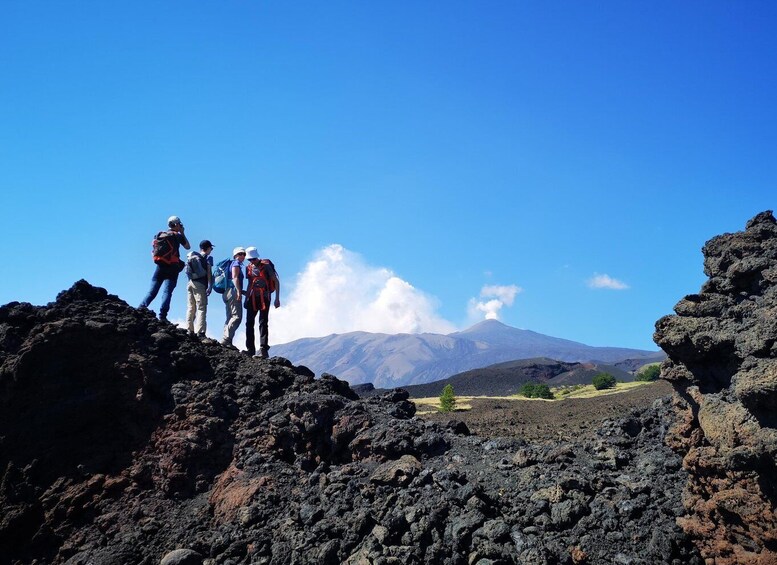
(229, 281)
(198, 269)
(262, 282)
(167, 257)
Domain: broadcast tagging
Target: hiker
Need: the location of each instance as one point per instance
(232, 296)
(262, 282)
(168, 264)
(198, 269)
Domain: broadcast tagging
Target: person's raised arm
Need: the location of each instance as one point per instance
(184, 239)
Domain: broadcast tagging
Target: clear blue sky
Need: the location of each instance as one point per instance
(455, 144)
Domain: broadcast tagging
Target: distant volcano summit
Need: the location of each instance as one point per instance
(389, 361)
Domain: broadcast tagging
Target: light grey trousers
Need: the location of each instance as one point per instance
(197, 307)
(234, 311)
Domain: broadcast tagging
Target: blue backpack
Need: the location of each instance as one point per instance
(222, 278)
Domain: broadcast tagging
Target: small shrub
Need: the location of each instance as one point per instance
(649, 373)
(602, 381)
(447, 399)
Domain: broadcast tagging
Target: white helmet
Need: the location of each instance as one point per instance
(173, 221)
(252, 253)
(237, 250)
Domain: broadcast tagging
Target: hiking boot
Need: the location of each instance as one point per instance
(263, 355)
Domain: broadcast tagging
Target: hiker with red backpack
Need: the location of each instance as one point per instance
(168, 264)
(262, 282)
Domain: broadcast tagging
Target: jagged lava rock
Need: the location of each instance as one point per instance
(125, 440)
(722, 348)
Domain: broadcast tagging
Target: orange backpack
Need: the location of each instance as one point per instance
(261, 283)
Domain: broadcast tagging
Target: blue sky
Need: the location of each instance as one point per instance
(392, 158)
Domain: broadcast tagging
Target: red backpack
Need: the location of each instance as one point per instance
(164, 248)
(261, 283)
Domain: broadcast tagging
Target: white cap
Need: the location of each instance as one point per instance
(252, 253)
(237, 250)
(173, 221)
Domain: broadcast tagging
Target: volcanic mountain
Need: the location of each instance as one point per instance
(389, 361)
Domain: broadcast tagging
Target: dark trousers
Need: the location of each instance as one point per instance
(163, 277)
(264, 316)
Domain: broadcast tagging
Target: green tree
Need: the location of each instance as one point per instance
(649, 373)
(543, 391)
(447, 399)
(603, 380)
(533, 390)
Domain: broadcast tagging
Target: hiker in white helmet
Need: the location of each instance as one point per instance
(233, 295)
(168, 264)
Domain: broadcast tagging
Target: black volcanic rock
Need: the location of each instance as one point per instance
(722, 348)
(125, 440)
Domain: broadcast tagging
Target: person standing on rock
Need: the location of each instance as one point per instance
(233, 295)
(166, 253)
(262, 282)
(198, 269)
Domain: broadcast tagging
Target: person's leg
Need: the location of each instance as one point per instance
(250, 336)
(191, 305)
(204, 326)
(156, 282)
(235, 313)
(264, 331)
(226, 297)
(167, 294)
(238, 316)
(200, 302)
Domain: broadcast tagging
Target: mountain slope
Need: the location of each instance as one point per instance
(390, 361)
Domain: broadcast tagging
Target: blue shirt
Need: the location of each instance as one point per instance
(239, 265)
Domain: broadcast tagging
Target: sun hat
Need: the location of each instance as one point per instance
(173, 221)
(237, 250)
(252, 253)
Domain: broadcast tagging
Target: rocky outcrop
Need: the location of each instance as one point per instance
(123, 440)
(722, 347)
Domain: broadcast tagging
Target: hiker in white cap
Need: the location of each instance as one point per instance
(168, 262)
(233, 295)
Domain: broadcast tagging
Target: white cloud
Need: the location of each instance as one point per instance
(339, 292)
(500, 296)
(606, 281)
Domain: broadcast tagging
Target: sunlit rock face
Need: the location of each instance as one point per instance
(722, 348)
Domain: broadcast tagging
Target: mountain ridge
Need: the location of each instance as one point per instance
(393, 360)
